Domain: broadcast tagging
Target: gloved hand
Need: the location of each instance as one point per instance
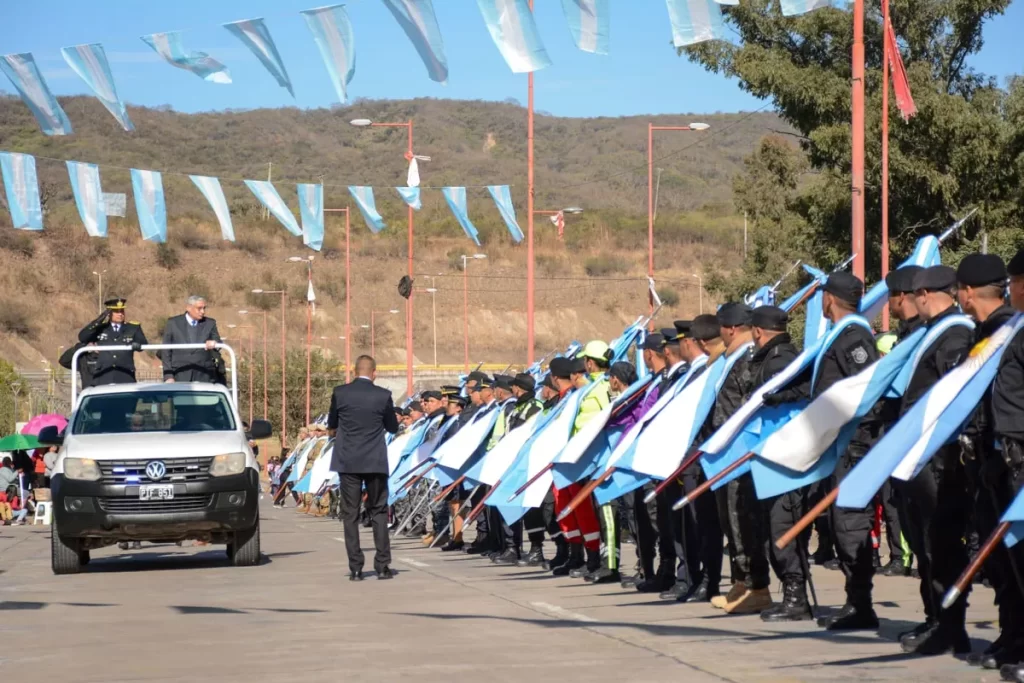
(136, 347)
(772, 400)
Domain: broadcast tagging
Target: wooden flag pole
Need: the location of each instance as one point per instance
(697, 492)
(807, 519)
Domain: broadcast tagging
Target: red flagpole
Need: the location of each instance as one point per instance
(857, 140)
(529, 216)
(885, 153)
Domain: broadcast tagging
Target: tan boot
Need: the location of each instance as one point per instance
(428, 539)
(751, 602)
(737, 589)
(459, 519)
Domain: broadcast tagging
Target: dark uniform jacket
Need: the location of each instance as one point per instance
(86, 363)
(771, 359)
(908, 327)
(979, 431)
(850, 352)
(1008, 393)
(944, 354)
(189, 365)
(113, 367)
(361, 412)
(734, 392)
(526, 406)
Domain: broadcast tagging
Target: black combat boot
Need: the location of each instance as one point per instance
(573, 562)
(591, 565)
(535, 558)
(794, 606)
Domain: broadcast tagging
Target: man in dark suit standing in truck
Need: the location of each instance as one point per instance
(360, 414)
(192, 327)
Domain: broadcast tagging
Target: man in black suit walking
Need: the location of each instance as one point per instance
(360, 414)
(191, 327)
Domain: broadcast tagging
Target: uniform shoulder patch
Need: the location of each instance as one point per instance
(859, 355)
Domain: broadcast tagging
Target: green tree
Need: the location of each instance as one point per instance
(964, 148)
(12, 385)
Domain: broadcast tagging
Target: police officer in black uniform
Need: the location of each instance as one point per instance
(774, 352)
(850, 352)
(1004, 479)
(111, 329)
(935, 500)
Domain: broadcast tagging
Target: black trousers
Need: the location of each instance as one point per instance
(534, 526)
(703, 534)
(852, 532)
(937, 504)
(891, 515)
(745, 531)
(670, 561)
(645, 531)
(376, 507)
(782, 513)
(1004, 568)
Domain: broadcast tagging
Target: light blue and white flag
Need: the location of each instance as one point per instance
(85, 183)
(311, 210)
(255, 35)
(695, 21)
(417, 19)
(169, 46)
(514, 32)
(589, 22)
(456, 198)
(459, 449)
(411, 196)
(931, 422)
(490, 469)
(90, 63)
(363, 194)
(791, 8)
(332, 32)
(21, 69)
(148, 189)
(211, 189)
(1015, 515)
(268, 196)
(925, 254)
(765, 296)
(22, 187)
(503, 200)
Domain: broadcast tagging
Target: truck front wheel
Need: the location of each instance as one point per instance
(244, 548)
(65, 553)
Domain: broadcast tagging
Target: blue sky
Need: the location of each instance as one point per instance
(641, 75)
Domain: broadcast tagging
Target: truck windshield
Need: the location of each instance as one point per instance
(154, 411)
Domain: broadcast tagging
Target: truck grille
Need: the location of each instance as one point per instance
(134, 471)
(181, 503)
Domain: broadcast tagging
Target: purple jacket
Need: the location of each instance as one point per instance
(627, 419)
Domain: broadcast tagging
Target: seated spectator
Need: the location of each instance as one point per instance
(8, 477)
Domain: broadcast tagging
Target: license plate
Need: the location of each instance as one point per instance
(158, 492)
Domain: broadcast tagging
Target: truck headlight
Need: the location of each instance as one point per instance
(81, 468)
(229, 463)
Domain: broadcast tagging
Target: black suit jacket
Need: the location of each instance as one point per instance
(187, 365)
(361, 412)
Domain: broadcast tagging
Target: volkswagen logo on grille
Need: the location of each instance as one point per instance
(156, 470)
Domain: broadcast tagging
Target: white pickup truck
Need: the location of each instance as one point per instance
(154, 462)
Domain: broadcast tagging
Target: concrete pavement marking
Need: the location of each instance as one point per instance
(414, 563)
(562, 613)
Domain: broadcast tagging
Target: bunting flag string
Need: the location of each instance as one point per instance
(90, 63)
(85, 184)
(411, 195)
(268, 196)
(24, 74)
(589, 22)
(503, 200)
(255, 35)
(311, 210)
(456, 198)
(149, 205)
(417, 19)
(363, 194)
(169, 46)
(695, 21)
(211, 189)
(332, 32)
(22, 188)
(514, 32)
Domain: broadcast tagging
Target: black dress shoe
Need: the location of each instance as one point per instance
(385, 573)
(452, 546)
(355, 576)
(603, 575)
(698, 593)
(918, 631)
(675, 592)
(475, 548)
(631, 581)
(895, 568)
(579, 572)
(939, 641)
(1012, 672)
(851, 618)
(508, 558)
(831, 564)
(654, 585)
(535, 558)
(821, 557)
(1013, 653)
(976, 658)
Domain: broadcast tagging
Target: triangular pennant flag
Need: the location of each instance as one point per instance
(503, 200)
(169, 46)
(211, 189)
(25, 76)
(85, 183)
(311, 210)
(22, 187)
(332, 32)
(90, 63)
(416, 17)
(363, 194)
(900, 84)
(413, 179)
(456, 198)
(268, 196)
(411, 195)
(514, 32)
(589, 22)
(256, 36)
(149, 205)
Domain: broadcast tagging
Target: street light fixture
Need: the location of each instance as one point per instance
(99, 287)
(308, 260)
(432, 291)
(465, 304)
(266, 394)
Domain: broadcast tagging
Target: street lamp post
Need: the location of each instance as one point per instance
(409, 156)
(266, 403)
(465, 303)
(308, 260)
(650, 191)
(700, 292)
(432, 291)
(284, 374)
(99, 287)
(251, 368)
(348, 293)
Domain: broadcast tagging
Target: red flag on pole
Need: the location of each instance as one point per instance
(904, 100)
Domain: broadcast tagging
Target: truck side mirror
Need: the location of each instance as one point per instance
(260, 429)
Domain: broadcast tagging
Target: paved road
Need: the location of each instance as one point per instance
(165, 613)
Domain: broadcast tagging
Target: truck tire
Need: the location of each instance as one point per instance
(244, 549)
(65, 553)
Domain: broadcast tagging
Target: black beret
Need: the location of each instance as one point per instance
(525, 381)
(705, 327)
(669, 335)
(901, 280)
(417, 406)
(624, 372)
(503, 382)
(578, 365)
(770, 318)
(934, 279)
(653, 342)
(1016, 265)
(476, 375)
(682, 328)
(734, 314)
(977, 270)
(436, 395)
(845, 287)
(560, 367)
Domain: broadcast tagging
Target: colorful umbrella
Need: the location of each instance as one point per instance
(19, 442)
(37, 423)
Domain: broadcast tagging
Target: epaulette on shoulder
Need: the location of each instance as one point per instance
(134, 322)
